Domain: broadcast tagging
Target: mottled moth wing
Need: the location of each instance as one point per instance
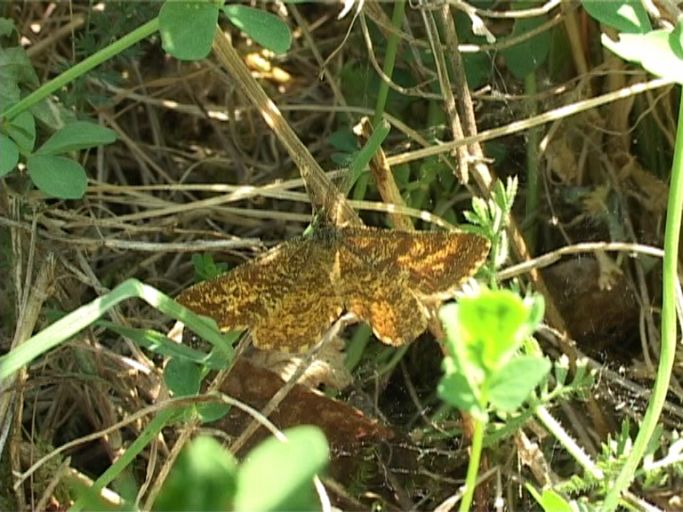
(436, 262)
(308, 306)
(381, 296)
(248, 293)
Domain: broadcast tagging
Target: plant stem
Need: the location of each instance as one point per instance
(82, 67)
(356, 346)
(668, 344)
(141, 441)
(393, 362)
(569, 444)
(389, 61)
(473, 466)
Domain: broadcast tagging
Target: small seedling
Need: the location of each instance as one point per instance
(484, 371)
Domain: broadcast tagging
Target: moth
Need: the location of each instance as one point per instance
(289, 296)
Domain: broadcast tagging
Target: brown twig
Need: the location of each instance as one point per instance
(322, 191)
(384, 180)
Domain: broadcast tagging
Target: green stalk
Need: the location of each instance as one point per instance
(361, 185)
(668, 345)
(356, 346)
(389, 61)
(146, 436)
(396, 357)
(82, 67)
(365, 154)
(473, 466)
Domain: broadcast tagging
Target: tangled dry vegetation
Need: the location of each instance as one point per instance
(196, 170)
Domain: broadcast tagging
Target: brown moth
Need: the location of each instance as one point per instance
(290, 295)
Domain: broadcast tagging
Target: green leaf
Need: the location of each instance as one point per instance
(480, 208)
(676, 39)
(15, 66)
(162, 345)
(9, 155)
(203, 478)
(477, 65)
(471, 217)
(527, 56)
(52, 114)
(15, 70)
(342, 159)
(343, 140)
(513, 383)
(655, 52)
(10, 93)
(187, 28)
(278, 476)
(263, 27)
(491, 327)
(550, 501)
(553, 502)
(205, 268)
(222, 355)
(57, 176)
(6, 26)
(455, 389)
(212, 411)
(482, 335)
(627, 16)
(183, 377)
(23, 130)
(477, 68)
(75, 136)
